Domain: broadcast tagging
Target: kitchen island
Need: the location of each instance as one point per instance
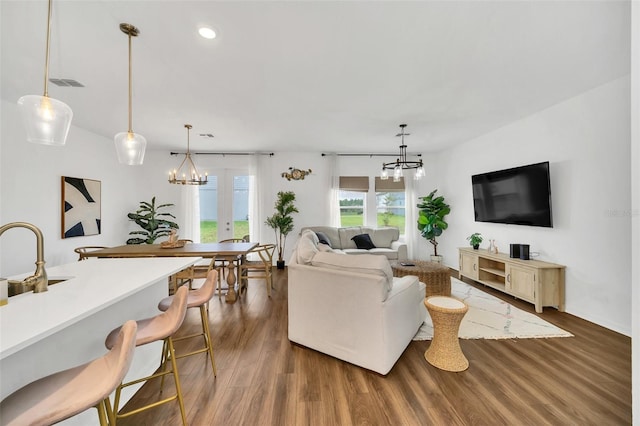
(66, 326)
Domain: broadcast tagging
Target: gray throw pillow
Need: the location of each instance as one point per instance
(322, 238)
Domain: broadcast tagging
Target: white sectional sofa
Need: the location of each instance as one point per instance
(351, 307)
(385, 239)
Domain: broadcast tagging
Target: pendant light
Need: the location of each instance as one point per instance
(190, 175)
(46, 120)
(130, 146)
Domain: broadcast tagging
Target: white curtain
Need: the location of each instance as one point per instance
(411, 234)
(190, 212)
(255, 210)
(334, 193)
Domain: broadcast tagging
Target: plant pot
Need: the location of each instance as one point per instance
(280, 264)
(476, 246)
(436, 259)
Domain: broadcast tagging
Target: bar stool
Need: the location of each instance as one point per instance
(197, 299)
(160, 327)
(444, 351)
(66, 393)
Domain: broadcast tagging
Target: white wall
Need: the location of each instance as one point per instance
(586, 139)
(31, 192)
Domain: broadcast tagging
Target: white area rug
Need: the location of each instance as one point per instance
(491, 318)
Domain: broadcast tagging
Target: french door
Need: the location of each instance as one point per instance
(224, 205)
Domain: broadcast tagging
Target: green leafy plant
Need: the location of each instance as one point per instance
(152, 221)
(431, 214)
(474, 240)
(281, 221)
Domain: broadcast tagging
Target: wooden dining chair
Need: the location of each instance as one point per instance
(262, 266)
(223, 263)
(83, 250)
(194, 272)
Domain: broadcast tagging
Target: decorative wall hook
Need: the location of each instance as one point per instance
(295, 174)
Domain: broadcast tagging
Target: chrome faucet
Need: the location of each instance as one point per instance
(38, 281)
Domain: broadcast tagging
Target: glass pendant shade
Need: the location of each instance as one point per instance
(397, 173)
(130, 148)
(384, 174)
(46, 120)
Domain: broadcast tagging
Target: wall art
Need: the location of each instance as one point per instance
(81, 208)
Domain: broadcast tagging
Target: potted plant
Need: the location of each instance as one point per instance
(431, 223)
(153, 223)
(474, 240)
(282, 222)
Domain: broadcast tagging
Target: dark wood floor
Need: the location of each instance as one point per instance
(263, 379)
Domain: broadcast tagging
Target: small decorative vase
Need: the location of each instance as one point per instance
(280, 264)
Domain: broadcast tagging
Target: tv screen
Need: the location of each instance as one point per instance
(519, 196)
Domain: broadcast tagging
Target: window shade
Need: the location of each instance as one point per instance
(354, 183)
(389, 185)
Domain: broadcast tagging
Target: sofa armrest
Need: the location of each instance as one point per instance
(401, 248)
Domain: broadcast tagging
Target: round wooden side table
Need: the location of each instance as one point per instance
(436, 277)
(444, 351)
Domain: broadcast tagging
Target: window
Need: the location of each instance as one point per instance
(353, 191)
(390, 203)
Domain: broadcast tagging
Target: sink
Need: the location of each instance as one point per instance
(18, 287)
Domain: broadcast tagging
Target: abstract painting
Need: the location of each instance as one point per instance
(80, 207)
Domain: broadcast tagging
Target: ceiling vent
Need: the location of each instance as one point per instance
(206, 135)
(66, 82)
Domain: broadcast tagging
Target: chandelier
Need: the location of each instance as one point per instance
(179, 177)
(401, 163)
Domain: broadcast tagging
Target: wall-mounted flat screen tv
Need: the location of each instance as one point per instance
(519, 196)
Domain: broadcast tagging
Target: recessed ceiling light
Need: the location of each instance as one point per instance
(207, 32)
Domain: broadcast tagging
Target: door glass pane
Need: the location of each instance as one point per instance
(391, 209)
(240, 206)
(351, 208)
(209, 211)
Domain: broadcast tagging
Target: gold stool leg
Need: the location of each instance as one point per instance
(174, 367)
(102, 415)
(207, 338)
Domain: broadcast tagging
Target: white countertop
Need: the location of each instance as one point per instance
(94, 285)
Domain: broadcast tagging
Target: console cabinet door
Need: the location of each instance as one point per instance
(468, 265)
(521, 282)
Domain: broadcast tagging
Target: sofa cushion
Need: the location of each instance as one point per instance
(363, 241)
(323, 238)
(364, 264)
(346, 235)
(307, 247)
(383, 237)
(330, 231)
(382, 251)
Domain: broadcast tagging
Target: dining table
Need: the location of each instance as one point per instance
(230, 252)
